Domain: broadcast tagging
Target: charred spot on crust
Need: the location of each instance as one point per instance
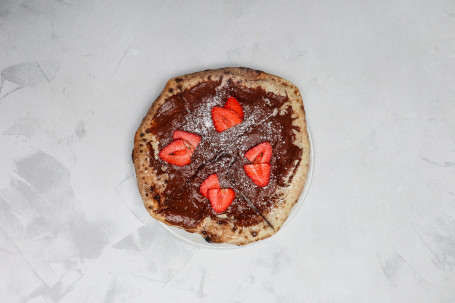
(178, 80)
(204, 232)
(179, 87)
(208, 239)
(148, 130)
(157, 197)
(141, 135)
(170, 90)
(254, 234)
(234, 228)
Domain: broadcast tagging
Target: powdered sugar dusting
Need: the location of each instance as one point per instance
(223, 153)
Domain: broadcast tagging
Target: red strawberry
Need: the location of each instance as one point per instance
(176, 153)
(235, 106)
(220, 199)
(224, 118)
(261, 153)
(191, 138)
(210, 183)
(258, 173)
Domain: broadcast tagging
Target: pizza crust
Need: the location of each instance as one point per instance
(150, 184)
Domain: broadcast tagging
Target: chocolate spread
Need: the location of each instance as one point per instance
(223, 153)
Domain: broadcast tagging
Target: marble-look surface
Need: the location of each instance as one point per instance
(378, 80)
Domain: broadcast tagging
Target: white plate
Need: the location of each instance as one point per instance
(197, 239)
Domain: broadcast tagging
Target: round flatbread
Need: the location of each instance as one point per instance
(268, 109)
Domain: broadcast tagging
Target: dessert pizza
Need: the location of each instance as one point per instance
(223, 153)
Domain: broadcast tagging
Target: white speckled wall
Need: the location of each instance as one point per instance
(77, 77)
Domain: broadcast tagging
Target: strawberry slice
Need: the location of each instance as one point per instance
(261, 153)
(210, 183)
(224, 118)
(191, 138)
(220, 199)
(234, 105)
(258, 173)
(176, 153)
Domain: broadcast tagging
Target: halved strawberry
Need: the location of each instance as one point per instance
(261, 153)
(220, 199)
(191, 138)
(211, 182)
(176, 153)
(258, 173)
(234, 105)
(224, 118)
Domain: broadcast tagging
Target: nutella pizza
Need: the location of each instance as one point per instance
(223, 153)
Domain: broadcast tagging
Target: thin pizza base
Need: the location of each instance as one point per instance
(227, 233)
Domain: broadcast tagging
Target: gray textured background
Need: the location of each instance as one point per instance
(378, 81)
